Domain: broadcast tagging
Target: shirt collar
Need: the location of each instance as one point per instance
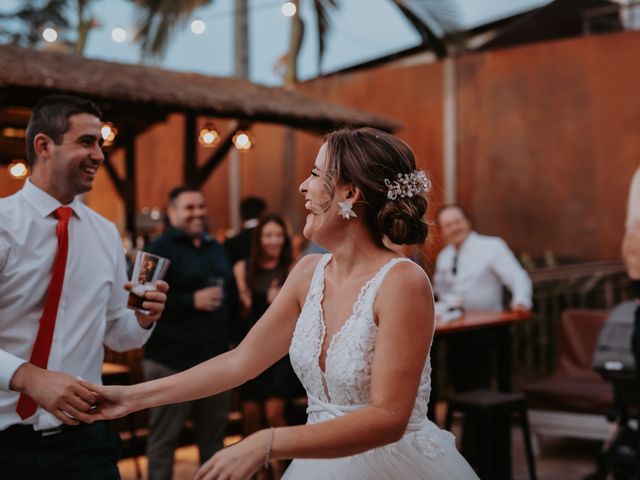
(44, 203)
(250, 223)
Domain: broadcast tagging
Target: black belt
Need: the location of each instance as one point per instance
(27, 431)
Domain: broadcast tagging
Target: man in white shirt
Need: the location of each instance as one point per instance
(43, 402)
(474, 268)
(477, 266)
(631, 255)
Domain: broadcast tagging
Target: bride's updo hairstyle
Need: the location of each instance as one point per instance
(377, 162)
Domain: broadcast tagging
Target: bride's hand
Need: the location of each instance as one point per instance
(237, 462)
(113, 401)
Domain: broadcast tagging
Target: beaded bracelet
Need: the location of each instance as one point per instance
(267, 455)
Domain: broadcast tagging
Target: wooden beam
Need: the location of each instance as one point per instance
(218, 155)
(190, 172)
(118, 184)
(129, 190)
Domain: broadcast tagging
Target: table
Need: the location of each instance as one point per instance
(472, 322)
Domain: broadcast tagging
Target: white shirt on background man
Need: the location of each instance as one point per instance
(483, 265)
(93, 304)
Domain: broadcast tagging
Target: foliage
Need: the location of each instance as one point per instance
(157, 19)
(24, 25)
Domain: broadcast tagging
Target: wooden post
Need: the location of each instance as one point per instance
(130, 190)
(190, 138)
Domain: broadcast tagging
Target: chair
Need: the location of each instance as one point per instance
(489, 414)
(574, 400)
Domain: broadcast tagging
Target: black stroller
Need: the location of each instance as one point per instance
(616, 362)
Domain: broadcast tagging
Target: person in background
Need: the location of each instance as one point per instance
(631, 255)
(239, 246)
(477, 266)
(62, 299)
(259, 279)
(472, 270)
(195, 328)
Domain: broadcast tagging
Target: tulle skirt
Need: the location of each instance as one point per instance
(425, 453)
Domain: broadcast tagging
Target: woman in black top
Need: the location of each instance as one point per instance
(259, 280)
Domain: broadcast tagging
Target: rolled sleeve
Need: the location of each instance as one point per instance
(8, 366)
(125, 333)
(513, 275)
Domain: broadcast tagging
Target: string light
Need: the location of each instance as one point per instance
(119, 34)
(18, 169)
(11, 132)
(198, 27)
(50, 35)
(108, 132)
(242, 140)
(288, 9)
(208, 135)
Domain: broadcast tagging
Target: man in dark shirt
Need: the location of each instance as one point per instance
(239, 247)
(195, 327)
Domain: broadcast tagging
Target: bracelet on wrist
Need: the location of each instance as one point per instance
(267, 453)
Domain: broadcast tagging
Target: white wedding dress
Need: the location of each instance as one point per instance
(424, 452)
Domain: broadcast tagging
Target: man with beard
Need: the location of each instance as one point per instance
(631, 256)
(194, 328)
(474, 268)
(62, 297)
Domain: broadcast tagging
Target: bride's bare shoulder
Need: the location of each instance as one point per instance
(303, 270)
(407, 279)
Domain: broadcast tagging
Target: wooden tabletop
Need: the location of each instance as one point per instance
(476, 320)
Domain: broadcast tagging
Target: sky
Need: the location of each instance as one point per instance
(360, 30)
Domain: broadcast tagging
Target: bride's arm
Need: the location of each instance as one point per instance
(404, 309)
(265, 343)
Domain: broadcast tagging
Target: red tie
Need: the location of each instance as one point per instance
(40, 354)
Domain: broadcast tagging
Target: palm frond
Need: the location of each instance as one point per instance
(323, 8)
(158, 19)
(425, 32)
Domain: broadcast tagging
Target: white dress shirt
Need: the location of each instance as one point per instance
(484, 265)
(633, 203)
(93, 304)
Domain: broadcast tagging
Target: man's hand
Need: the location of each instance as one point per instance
(519, 307)
(208, 299)
(58, 393)
(155, 301)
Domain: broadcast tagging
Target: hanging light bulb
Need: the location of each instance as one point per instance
(50, 35)
(108, 132)
(208, 135)
(242, 140)
(288, 9)
(18, 169)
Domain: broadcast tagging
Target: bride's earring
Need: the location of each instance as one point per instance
(346, 210)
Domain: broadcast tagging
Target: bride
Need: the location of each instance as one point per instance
(357, 323)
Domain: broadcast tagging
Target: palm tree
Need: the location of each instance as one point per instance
(322, 13)
(159, 18)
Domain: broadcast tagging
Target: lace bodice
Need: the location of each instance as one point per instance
(346, 382)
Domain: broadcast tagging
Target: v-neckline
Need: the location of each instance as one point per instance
(323, 326)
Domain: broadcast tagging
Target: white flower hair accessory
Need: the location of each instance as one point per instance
(407, 185)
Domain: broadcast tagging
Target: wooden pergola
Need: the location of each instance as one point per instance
(136, 97)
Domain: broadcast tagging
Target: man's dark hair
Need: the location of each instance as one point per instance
(447, 206)
(51, 117)
(177, 191)
(252, 207)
